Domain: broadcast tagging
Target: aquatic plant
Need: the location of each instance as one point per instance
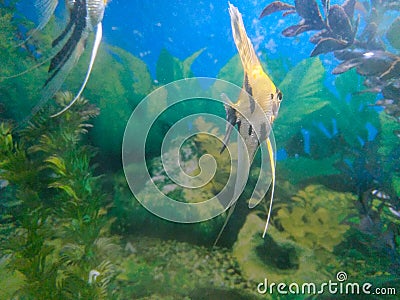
(170, 68)
(374, 234)
(336, 31)
(381, 70)
(55, 231)
(364, 50)
(301, 241)
(315, 218)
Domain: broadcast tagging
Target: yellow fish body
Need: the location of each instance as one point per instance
(257, 84)
(257, 87)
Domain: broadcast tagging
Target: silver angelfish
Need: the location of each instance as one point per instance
(85, 16)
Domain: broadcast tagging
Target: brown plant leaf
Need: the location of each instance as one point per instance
(339, 23)
(296, 30)
(275, 7)
(308, 9)
(328, 44)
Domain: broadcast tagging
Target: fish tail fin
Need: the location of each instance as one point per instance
(271, 158)
(44, 9)
(230, 212)
(97, 41)
(243, 44)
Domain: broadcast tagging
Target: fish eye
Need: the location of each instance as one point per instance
(280, 96)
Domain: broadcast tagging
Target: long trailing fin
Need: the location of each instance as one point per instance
(246, 51)
(272, 161)
(97, 41)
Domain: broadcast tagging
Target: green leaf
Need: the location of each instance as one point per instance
(58, 164)
(303, 95)
(170, 68)
(142, 81)
(187, 63)
(66, 188)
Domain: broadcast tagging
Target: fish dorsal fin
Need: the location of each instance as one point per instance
(245, 48)
(96, 45)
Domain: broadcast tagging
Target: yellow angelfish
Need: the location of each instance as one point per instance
(261, 90)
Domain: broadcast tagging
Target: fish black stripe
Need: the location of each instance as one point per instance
(74, 17)
(250, 129)
(263, 131)
(67, 29)
(247, 86)
(249, 90)
(78, 15)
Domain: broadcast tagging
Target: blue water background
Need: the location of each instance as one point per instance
(184, 27)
